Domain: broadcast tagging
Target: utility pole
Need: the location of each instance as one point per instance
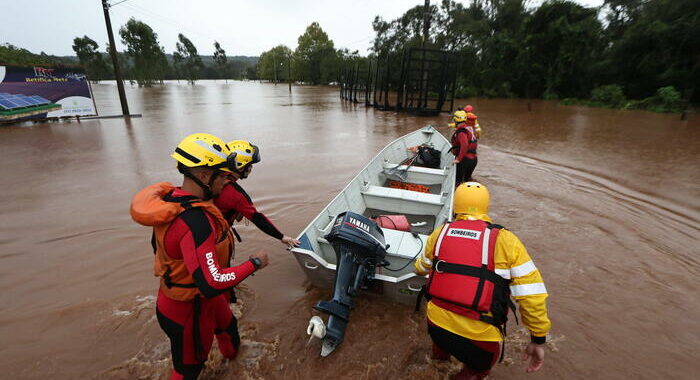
(423, 96)
(426, 22)
(289, 72)
(274, 64)
(115, 61)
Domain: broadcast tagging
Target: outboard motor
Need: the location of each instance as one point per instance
(359, 248)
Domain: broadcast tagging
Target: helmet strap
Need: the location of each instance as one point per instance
(243, 173)
(213, 178)
(206, 188)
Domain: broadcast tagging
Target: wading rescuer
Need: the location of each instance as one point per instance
(193, 248)
(473, 120)
(235, 203)
(475, 267)
(464, 146)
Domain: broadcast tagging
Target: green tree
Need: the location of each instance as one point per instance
(273, 64)
(148, 57)
(250, 73)
(313, 49)
(659, 47)
(187, 58)
(221, 61)
(564, 40)
(87, 51)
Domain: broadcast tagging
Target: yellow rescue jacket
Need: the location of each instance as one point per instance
(512, 262)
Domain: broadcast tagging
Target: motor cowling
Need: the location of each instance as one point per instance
(362, 235)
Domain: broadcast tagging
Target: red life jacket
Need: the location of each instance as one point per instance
(463, 279)
(472, 142)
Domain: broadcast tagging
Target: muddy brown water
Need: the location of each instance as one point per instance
(607, 202)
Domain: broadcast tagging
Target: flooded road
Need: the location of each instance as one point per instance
(607, 202)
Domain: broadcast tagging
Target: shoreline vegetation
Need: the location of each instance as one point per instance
(665, 100)
(625, 54)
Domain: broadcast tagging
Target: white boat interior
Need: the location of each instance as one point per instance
(369, 194)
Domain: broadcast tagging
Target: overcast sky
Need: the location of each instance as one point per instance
(241, 27)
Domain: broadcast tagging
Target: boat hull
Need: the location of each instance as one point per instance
(368, 194)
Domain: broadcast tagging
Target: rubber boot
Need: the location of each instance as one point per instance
(174, 375)
(469, 374)
(439, 354)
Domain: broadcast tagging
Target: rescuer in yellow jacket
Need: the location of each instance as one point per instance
(459, 328)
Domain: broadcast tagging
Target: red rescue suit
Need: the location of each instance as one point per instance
(463, 279)
(192, 246)
(464, 142)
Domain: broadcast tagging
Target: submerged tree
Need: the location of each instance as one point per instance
(149, 63)
(87, 51)
(189, 60)
(273, 64)
(314, 48)
(221, 60)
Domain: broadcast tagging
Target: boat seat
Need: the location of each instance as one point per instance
(408, 195)
(402, 201)
(417, 174)
(415, 169)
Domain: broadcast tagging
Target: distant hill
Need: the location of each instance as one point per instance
(206, 59)
(10, 54)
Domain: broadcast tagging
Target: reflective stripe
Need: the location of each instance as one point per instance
(439, 242)
(523, 269)
(243, 153)
(505, 273)
(485, 247)
(528, 289)
(422, 267)
(211, 149)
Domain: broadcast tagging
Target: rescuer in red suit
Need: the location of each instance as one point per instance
(193, 248)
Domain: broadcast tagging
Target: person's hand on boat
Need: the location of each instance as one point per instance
(535, 353)
(290, 241)
(262, 256)
(413, 149)
(455, 162)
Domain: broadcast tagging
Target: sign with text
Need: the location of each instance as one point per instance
(40, 92)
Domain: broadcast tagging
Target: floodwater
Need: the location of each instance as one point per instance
(607, 202)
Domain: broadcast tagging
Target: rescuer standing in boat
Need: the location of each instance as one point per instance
(464, 146)
(235, 203)
(193, 246)
(473, 120)
(475, 267)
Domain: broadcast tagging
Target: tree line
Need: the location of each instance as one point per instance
(647, 50)
(640, 54)
(144, 61)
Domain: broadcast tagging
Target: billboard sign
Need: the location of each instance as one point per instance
(40, 92)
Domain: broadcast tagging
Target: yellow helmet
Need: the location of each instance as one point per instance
(202, 149)
(459, 116)
(244, 153)
(471, 198)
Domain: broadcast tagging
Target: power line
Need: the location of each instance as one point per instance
(115, 4)
(167, 20)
